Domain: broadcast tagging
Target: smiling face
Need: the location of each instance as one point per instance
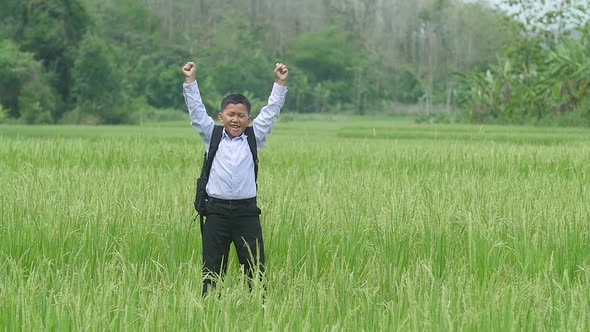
(235, 119)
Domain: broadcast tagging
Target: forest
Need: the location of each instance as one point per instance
(118, 61)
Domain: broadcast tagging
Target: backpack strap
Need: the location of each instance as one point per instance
(213, 146)
(206, 169)
(253, 149)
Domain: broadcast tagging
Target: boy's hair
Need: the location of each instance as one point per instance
(235, 98)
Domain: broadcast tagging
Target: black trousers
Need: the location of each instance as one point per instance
(230, 221)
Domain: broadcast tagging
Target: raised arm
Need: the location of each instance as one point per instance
(270, 113)
(200, 120)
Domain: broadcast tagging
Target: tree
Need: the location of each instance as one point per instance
(328, 61)
(36, 102)
(11, 18)
(15, 67)
(23, 84)
(96, 86)
(542, 76)
(52, 30)
(358, 55)
(147, 58)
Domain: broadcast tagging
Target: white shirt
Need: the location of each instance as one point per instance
(232, 172)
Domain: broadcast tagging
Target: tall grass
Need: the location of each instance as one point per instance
(369, 225)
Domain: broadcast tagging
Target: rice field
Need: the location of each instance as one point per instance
(369, 225)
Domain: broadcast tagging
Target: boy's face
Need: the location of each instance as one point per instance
(235, 119)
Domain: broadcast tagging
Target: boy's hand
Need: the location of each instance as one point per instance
(281, 73)
(190, 72)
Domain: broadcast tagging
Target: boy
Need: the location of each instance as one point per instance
(232, 214)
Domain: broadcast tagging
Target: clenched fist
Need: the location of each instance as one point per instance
(281, 73)
(190, 72)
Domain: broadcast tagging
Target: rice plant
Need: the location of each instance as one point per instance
(369, 224)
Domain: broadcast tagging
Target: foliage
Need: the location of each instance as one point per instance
(11, 13)
(52, 30)
(24, 86)
(144, 55)
(96, 86)
(325, 59)
(162, 87)
(324, 55)
(542, 78)
(344, 56)
(3, 114)
(236, 60)
(15, 66)
(36, 102)
(406, 86)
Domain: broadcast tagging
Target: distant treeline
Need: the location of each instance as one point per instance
(118, 61)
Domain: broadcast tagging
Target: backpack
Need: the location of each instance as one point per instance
(201, 192)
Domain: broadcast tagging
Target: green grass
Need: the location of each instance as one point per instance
(369, 224)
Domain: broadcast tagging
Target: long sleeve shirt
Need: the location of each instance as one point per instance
(232, 171)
